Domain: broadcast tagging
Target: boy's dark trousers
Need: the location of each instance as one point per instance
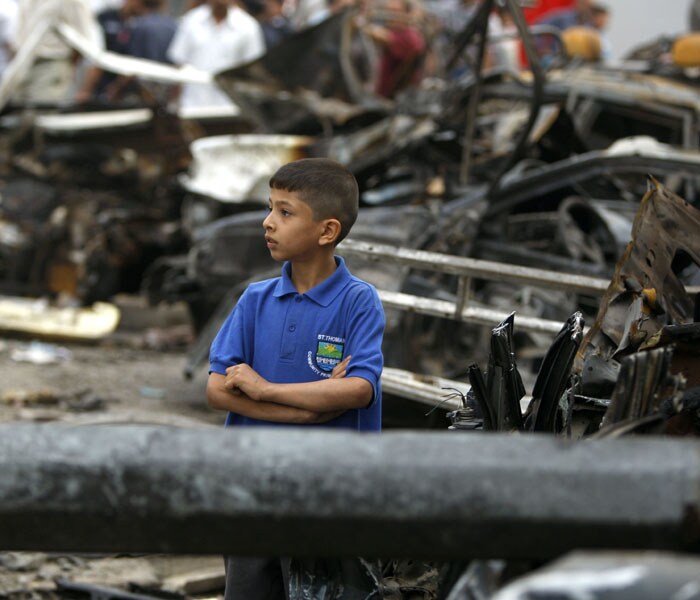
(256, 578)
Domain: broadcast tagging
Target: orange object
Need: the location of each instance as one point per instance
(649, 295)
(582, 42)
(686, 50)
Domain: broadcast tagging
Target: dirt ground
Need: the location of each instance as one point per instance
(102, 382)
(135, 374)
(132, 376)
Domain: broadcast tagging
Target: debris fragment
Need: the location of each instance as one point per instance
(40, 353)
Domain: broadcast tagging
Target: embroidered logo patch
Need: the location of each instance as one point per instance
(329, 352)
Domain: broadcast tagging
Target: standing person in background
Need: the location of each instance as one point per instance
(52, 76)
(403, 48)
(151, 32)
(275, 25)
(117, 36)
(600, 18)
(214, 37)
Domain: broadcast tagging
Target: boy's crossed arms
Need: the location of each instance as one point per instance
(245, 392)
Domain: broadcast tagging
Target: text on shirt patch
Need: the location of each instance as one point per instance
(329, 352)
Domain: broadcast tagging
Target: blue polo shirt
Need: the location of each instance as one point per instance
(289, 337)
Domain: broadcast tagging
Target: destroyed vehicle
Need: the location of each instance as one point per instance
(634, 370)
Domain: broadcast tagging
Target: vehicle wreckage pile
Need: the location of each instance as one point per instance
(533, 236)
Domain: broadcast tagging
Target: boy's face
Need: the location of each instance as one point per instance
(291, 233)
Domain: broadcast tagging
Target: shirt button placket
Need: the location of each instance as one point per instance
(289, 341)
(293, 325)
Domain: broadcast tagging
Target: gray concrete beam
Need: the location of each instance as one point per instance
(319, 493)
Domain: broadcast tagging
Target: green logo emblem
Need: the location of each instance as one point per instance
(328, 354)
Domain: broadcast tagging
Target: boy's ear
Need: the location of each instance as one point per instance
(330, 232)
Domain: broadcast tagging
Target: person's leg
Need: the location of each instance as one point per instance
(255, 579)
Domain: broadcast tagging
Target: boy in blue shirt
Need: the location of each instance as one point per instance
(303, 348)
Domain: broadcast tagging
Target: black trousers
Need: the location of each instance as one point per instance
(256, 578)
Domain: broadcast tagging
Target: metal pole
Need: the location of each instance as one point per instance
(308, 492)
(473, 267)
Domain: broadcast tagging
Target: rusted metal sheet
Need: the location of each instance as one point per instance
(647, 290)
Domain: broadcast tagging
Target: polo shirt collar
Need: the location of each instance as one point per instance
(324, 293)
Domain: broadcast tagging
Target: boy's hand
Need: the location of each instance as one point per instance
(242, 378)
(340, 369)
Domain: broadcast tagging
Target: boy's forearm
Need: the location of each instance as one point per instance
(326, 395)
(221, 398)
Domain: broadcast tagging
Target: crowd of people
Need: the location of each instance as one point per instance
(410, 39)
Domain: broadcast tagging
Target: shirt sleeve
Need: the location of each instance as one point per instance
(364, 340)
(230, 346)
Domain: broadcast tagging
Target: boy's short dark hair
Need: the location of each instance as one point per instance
(329, 188)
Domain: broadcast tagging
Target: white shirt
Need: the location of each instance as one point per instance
(214, 47)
